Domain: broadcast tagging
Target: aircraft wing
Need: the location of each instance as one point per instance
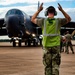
(70, 25)
(3, 30)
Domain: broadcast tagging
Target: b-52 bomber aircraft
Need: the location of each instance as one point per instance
(18, 27)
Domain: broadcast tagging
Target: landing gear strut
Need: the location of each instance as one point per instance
(16, 41)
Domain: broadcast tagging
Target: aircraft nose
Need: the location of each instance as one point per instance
(12, 20)
(12, 25)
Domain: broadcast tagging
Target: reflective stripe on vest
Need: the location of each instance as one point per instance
(56, 34)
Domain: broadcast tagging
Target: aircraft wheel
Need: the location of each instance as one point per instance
(40, 41)
(14, 43)
(19, 44)
(25, 43)
(34, 42)
(29, 43)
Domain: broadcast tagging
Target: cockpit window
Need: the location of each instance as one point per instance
(18, 12)
(14, 11)
(10, 12)
(25, 14)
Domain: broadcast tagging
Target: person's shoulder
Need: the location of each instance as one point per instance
(58, 18)
(65, 35)
(41, 18)
(61, 19)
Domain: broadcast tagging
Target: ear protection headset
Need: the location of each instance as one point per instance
(50, 9)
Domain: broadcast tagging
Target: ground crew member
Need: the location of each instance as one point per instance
(63, 44)
(68, 42)
(51, 37)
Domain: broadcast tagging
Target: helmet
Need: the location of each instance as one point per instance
(50, 9)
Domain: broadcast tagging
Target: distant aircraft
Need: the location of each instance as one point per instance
(19, 28)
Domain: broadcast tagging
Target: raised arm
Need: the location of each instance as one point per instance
(64, 13)
(33, 19)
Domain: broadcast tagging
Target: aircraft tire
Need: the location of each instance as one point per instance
(34, 42)
(29, 43)
(14, 43)
(19, 44)
(40, 41)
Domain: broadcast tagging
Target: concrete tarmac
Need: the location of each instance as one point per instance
(28, 61)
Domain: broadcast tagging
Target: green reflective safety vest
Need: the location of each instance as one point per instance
(51, 33)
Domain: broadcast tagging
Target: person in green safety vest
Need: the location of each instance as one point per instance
(51, 37)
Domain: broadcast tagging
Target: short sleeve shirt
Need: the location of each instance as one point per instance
(62, 21)
(50, 41)
(68, 37)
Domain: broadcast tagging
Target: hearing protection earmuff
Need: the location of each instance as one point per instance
(50, 9)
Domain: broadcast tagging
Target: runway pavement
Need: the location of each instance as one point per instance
(28, 61)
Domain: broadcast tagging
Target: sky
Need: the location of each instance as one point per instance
(31, 6)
